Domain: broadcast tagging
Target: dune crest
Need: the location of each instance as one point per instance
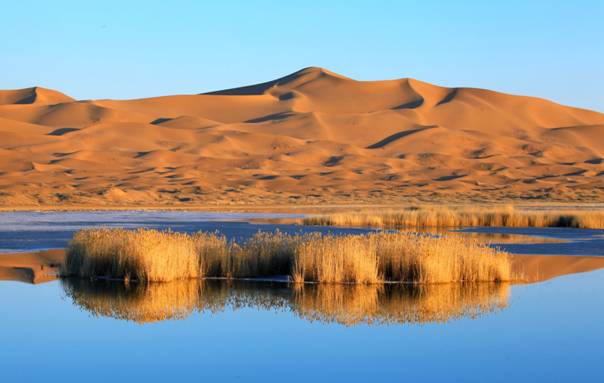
(312, 136)
(34, 95)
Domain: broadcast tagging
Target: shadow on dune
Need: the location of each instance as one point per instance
(271, 117)
(62, 131)
(411, 104)
(343, 304)
(449, 97)
(380, 144)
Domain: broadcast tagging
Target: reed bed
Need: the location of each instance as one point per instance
(399, 257)
(141, 255)
(337, 303)
(433, 217)
(338, 259)
(151, 255)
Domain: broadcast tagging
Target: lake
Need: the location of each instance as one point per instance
(73, 330)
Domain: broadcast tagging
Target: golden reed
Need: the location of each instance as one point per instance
(433, 216)
(145, 255)
(151, 255)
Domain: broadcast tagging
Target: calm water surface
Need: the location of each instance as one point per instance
(548, 332)
(74, 330)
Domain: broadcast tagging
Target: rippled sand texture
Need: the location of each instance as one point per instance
(312, 136)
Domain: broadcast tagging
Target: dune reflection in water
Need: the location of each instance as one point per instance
(343, 304)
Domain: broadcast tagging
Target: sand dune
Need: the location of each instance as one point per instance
(35, 95)
(313, 136)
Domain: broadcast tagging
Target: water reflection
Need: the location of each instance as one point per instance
(398, 303)
(343, 304)
(505, 238)
(135, 302)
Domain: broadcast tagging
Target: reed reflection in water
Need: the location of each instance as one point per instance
(343, 304)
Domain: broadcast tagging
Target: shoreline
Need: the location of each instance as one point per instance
(309, 208)
(37, 267)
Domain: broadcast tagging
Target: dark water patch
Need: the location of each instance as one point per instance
(33, 231)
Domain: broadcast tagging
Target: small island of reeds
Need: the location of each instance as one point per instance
(146, 255)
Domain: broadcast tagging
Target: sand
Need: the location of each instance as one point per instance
(40, 267)
(313, 137)
(34, 267)
(537, 268)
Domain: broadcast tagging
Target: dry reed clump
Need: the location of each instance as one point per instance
(267, 254)
(428, 259)
(150, 255)
(399, 257)
(337, 259)
(142, 255)
(212, 252)
(424, 217)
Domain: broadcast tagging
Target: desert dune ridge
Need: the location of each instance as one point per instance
(310, 137)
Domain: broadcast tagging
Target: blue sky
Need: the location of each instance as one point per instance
(127, 49)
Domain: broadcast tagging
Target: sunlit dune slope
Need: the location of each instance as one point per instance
(35, 95)
(312, 136)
